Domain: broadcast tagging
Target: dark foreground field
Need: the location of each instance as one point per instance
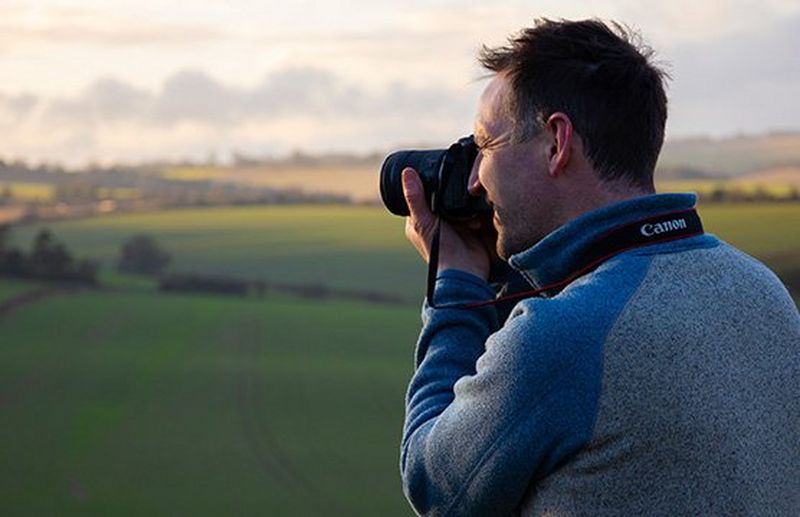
(124, 401)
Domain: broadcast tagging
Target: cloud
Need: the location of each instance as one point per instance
(105, 101)
(741, 58)
(745, 81)
(194, 96)
(17, 107)
(193, 113)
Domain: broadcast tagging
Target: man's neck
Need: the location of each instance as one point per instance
(598, 195)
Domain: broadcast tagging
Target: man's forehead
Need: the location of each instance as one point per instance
(493, 114)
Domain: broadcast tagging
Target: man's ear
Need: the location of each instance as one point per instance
(559, 129)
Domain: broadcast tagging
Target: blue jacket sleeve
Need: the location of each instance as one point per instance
(488, 411)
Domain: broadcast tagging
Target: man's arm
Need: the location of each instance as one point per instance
(482, 422)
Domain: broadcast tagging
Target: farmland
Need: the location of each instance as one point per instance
(132, 404)
(358, 248)
(28, 191)
(10, 288)
(124, 401)
(343, 247)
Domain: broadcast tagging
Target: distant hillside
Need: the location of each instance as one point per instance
(725, 158)
(754, 164)
(789, 176)
(774, 156)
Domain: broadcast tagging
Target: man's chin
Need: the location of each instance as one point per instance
(504, 250)
(506, 247)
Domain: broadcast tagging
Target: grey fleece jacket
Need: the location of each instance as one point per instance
(664, 382)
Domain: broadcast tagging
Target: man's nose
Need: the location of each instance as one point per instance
(474, 185)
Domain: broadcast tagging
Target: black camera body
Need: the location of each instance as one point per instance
(445, 179)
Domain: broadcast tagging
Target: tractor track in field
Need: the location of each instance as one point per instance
(26, 298)
(273, 460)
(13, 304)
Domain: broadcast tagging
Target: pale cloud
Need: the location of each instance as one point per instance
(740, 82)
(193, 95)
(194, 113)
(14, 108)
(107, 100)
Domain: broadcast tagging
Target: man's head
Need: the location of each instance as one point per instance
(573, 119)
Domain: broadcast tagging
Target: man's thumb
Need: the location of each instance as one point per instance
(414, 193)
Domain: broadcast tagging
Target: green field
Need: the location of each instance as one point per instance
(360, 248)
(768, 232)
(124, 401)
(344, 247)
(777, 191)
(138, 404)
(10, 288)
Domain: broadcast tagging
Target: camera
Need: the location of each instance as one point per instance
(445, 177)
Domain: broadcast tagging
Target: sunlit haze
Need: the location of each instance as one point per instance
(124, 80)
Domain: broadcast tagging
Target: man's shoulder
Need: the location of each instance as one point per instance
(681, 270)
(702, 294)
(753, 269)
(723, 269)
(584, 310)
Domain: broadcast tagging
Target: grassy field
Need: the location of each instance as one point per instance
(762, 230)
(359, 248)
(780, 191)
(127, 402)
(136, 404)
(10, 288)
(344, 247)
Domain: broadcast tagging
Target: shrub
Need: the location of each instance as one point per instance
(141, 254)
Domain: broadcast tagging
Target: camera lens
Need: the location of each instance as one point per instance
(426, 163)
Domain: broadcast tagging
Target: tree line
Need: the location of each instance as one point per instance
(47, 260)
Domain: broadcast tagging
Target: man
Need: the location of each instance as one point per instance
(659, 379)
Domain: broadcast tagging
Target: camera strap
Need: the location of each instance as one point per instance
(666, 227)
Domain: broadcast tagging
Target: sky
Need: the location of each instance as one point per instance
(133, 81)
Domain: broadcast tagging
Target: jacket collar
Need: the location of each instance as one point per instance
(558, 254)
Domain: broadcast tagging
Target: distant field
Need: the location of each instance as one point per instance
(762, 230)
(747, 186)
(360, 182)
(352, 247)
(732, 156)
(29, 191)
(343, 247)
(138, 404)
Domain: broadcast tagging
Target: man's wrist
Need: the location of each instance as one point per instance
(472, 269)
(459, 286)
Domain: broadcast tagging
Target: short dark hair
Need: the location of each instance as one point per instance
(602, 76)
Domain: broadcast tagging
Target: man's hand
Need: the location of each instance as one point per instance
(468, 247)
